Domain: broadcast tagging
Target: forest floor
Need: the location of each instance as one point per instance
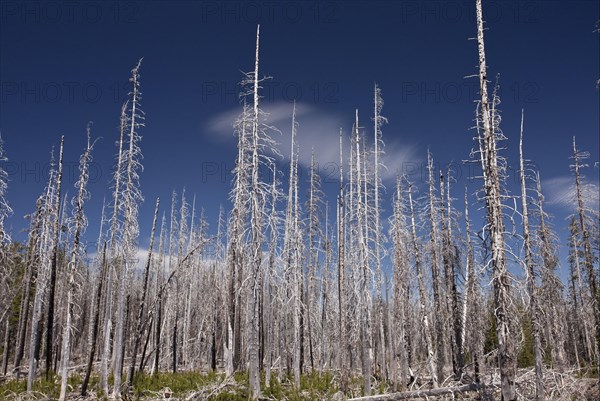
(196, 386)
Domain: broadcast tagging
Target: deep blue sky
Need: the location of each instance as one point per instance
(64, 64)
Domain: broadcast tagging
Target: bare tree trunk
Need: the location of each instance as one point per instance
(32, 267)
(95, 325)
(113, 260)
(268, 291)
(587, 250)
(80, 224)
(139, 331)
(440, 311)
(131, 196)
(469, 301)
(363, 265)
(52, 282)
(501, 280)
(143, 359)
(431, 360)
(47, 245)
(552, 286)
(409, 395)
(577, 285)
(341, 234)
(401, 291)
(531, 287)
(450, 260)
(378, 121)
(6, 346)
(256, 220)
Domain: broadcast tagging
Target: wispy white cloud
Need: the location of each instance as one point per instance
(318, 131)
(561, 191)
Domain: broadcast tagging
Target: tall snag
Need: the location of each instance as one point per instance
(531, 285)
(431, 358)
(131, 196)
(578, 156)
(495, 227)
(80, 223)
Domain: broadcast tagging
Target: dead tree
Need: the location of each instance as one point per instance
(115, 233)
(531, 285)
(378, 121)
(131, 197)
(80, 223)
(49, 226)
(96, 321)
(431, 356)
(32, 265)
(440, 311)
(399, 347)
(53, 268)
(495, 227)
(139, 331)
(578, 156)
(341, 236)
(552, 287)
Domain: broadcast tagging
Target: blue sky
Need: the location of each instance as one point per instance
(64, 64)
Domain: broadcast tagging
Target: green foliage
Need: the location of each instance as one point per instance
(548, 355)
(491, 336)
(229, 396)
(525, 358)
(317, 383)
(179, 383)
(313, 386)
(275, 389)
(50, 388)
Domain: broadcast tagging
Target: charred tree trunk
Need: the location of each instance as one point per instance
(53, 267)
(95, 325)
(139, 331)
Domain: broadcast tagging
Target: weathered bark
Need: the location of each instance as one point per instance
(233, 347)
(80, 224)
(401, 300)
(143, 359)
(48, 246)
(531, 287)
(552, 286)
(53, 268)
(363, 266)
(95, 324)
(256, 218)
(32, 268)
(470, 307)
(159, 299)
(341, 236)
(378, 121)
(314, 235)
(587, 249)
(5, 347)
(495, 227)
(440, 311)
(268, 291)
(431, 359)
(436, 392)
(577, 290)
(449, 258)
(130, 198)
(139, 331)
(113, 258)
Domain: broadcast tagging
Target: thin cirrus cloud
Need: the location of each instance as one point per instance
(561, 191)
(319, 132)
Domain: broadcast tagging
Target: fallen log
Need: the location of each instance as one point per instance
(419, 393)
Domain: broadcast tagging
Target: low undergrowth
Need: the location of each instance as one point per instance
(189, 385)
